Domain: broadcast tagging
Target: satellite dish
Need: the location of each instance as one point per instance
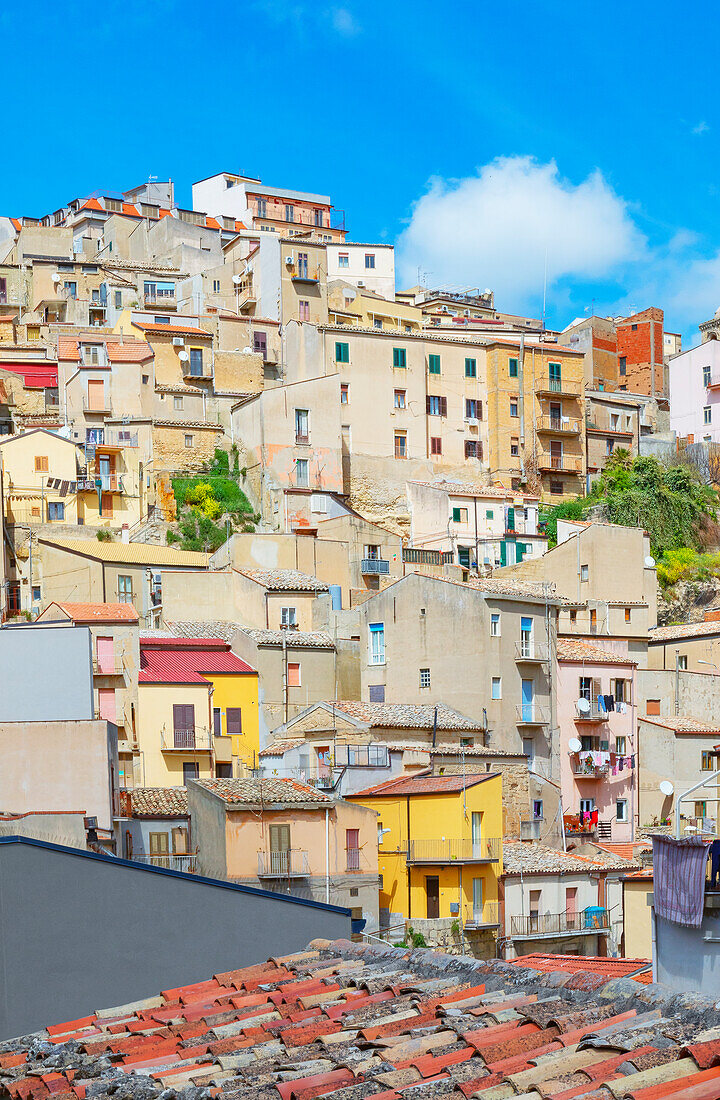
(583, 705)
(183, 357)
(487, 291)
(237, 279)
(666, 788)
(350, 294)
(56, 277)
(649, 562)
(573, 744)
(247, 350)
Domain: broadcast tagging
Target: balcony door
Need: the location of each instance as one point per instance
(106, 704)
(571, 906)
(432, 890)
(184, 725)
(528, 701)
(279, 849)
(96, 394)
(526, 645)
(555, 415)
(105, 654)
(556, 454)
(477, 900)
(477, 834)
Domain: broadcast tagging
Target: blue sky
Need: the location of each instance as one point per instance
(487, 141)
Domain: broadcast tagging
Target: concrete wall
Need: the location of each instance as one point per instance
(553, 888)
(637, 917)
(685, 960)
(45, 674)
(157, 923)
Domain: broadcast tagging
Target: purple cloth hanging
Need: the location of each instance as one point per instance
(679, 879)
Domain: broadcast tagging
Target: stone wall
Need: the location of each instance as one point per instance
(170, 450)
(446, 934)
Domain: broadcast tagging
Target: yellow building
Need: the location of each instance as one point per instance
(637, 914)
(440, 853)
(198, 712)
(39, 478)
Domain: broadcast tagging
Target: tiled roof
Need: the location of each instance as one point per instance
(423, 784)
(412, 716)
(131, 553)
(119, 351)
(346, 1021)
(572, 649)
(184, 660)
(280, 580)
(211, 628)
(99, 612)
(255, 792)
(681, 723)
(159, 802)
(682, 630)
(531, 858)
(294, 639)
(626, 851)
(463, 488)
(171, 330)
(494, 586)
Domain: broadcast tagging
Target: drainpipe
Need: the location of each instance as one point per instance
(285, 676)
(521, 404)
(327, 855)
(677, 682)
(407, 811)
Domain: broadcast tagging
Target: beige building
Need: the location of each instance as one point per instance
(324, 557)
(613, 421)
(694, 647)
(637, 914)
(374, 554)
(266, 599)
(677, 751)
(40, 473)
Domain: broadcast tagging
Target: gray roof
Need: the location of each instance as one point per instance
(258, 792)
(280, 580)
(294, 639)
(210, 628)
(529, 857)
(415, 716)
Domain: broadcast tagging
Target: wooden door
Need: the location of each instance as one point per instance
(432, 889)
(184, 725)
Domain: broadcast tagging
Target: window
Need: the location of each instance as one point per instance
(289, 213)
(433, 364)
(634, 328)
(369, 260)
(293, 674)
(473, 449)
(56, 510)
(435, 445)
(584, 572)
(627, 614)
(401, 444)
(621, 810)
(177, 402)
(471, 368)
(189, 441)
(514, 447)
(71, 288)
(344, 393)
(473, 409)
(513, 368)
(706, 376)
(303, 310)
(233, 721)
(609, 446)
(145, 379)
(513, 408)
(376, 693)
(593, 620)
(217, 722)
(216, 285)
(399, 357)
(620, 748)
(682, 662)
(707, 761)
(41, 464)
(495, 625)
(496, 687)
(342, 353)
(526, 636)
(424, 677)
(707, 415)
(701, 809)
(125, 589)
(377, 322)
(36, 594)
(621, 694)
(400, 399)
(288, 616)
(538, 809)
(343, 259)
(653, 706)
(196, 362)
(435, 405)
(302, 475)
(464, 556)
(460, 515)
(377, 643)
(191, 770)
(623, 365)
(118, 299)
(555, 383)
(302, 430)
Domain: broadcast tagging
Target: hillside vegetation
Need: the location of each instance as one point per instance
(211, 506)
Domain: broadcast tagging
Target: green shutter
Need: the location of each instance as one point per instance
(434, 364)
(342, 353)
(470, 368)
(513, 367)
(399, 357)
(503, 552)
(489, 514)
(456, 515)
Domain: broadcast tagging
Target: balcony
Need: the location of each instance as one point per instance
(352, 859)
(115, 441)
(192, 370)
(246, 296)
(309, 275)
(530, 653)
(292, 863)
(559, 386)
(186, 741)
(109, 666)
(561, 464)
(170, 862)
(160, 301)
(567, 425)
(97, 408)
(302, 439)
(589, 922)
(487, 916)
(374, 566)
(109, 483)
(593, 713)
(455, 851)
(581, 769)
(529, 714)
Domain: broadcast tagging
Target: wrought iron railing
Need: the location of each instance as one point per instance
(291, 863)
(592, 919)
(451, 851)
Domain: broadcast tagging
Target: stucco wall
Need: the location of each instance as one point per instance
(158, 924)
(46, 673)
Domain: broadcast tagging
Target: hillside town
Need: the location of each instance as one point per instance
(344, 611)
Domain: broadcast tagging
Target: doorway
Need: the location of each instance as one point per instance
(432, 889)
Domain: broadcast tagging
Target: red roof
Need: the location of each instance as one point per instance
(125, 351)
(579, 964)
(92, 204)
(99, 612)
(164, 662)
(425, 784)
(34, 375)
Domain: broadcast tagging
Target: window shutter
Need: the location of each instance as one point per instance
(233, 720)
(479, 410)
(427, 404)
(443, 406)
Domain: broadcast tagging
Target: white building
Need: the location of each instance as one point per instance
(269, 209)
(371, 266)
(695, 393)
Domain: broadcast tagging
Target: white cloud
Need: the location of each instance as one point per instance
(344, 22)
(700, 128)
(495, 229)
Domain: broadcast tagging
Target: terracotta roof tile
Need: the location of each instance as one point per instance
(683, 630)
(573, 649)
(534, 858)
(98, 612)
(405, 715)
(681, 723)
(280, 580)
(237, 792)
(159, 802)
(424, 784)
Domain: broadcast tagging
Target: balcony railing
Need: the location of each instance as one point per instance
(302, 438)
(170, 861)
(592, 713)
(581, 769)
(531, 652)
(530, 714)
(161, 301)
(564, 464)
(306, 275)
(110, 666)
(292, 863)
(374, 565)
(592, 919)
(190, 370)
(117, 440)
(455, 851)
(109, 483)
(96, 406)
(352, 862)
(186, 741)
(558, 385)
(486, 916)
(567, 424)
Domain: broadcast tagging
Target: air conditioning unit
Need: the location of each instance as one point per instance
(178, 342)
(289, 261)
(360, 282)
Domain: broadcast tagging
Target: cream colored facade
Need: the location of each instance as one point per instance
(30, 461)
(229, 595)
(159, 763)
(324, 557)
(637, 915)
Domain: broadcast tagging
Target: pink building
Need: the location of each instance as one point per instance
(596, 720)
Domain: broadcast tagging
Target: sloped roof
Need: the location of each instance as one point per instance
(118, 351)
(184, 660)
(97, 612)
(681, 723)
(573, 649)
(294, 639)
(532, 858)
(416, 716)
(424, 784)
(159, 802)
(279, 580)
(171, 330)
(131, 553)
(683, 630)
(238, 792)
(345, 1020)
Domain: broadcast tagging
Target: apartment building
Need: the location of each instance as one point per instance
(476, 526)
(40, 477)
(676, 752)
(596, 337)
(535, 415)
(694, 389)
(269, 209)
(366, 266)
(364, 308)
(641, 353)
(374, 554)
(614, 421)
(691, 647)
